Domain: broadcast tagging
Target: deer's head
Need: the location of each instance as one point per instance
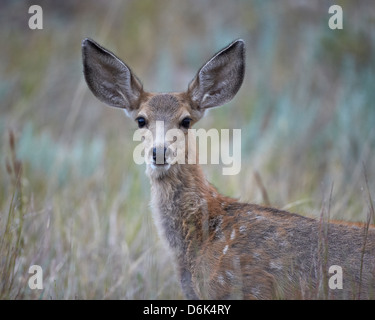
(114, 83)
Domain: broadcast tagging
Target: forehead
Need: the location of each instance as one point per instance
(164, 103)
(165, 106)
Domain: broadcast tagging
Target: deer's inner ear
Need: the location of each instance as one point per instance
(218, 81)
(109, 78)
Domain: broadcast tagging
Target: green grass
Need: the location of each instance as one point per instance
(80, 207)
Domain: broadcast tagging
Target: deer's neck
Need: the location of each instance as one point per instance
(182, 202)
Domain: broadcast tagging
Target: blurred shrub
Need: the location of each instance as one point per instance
(50, 159)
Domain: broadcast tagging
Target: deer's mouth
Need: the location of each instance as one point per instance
(162, 166)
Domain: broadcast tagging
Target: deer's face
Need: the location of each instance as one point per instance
(166, 117)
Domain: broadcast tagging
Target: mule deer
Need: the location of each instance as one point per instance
(223, 248)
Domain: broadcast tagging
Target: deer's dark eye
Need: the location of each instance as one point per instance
(186, 123)
(141, 122)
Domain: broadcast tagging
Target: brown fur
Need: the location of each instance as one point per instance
(269, 253)
(223, 248)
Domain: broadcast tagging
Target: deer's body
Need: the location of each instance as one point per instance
(226, 249)
(223, 248)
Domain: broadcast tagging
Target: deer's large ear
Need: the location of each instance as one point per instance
(218, 81)
(109, 78)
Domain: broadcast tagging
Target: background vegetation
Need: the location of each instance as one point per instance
(80, 208)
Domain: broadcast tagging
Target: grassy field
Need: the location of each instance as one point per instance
(73, 201)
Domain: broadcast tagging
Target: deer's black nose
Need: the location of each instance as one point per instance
(158, 155)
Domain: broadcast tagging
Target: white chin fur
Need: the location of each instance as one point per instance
(157, 171)
(160, 167)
